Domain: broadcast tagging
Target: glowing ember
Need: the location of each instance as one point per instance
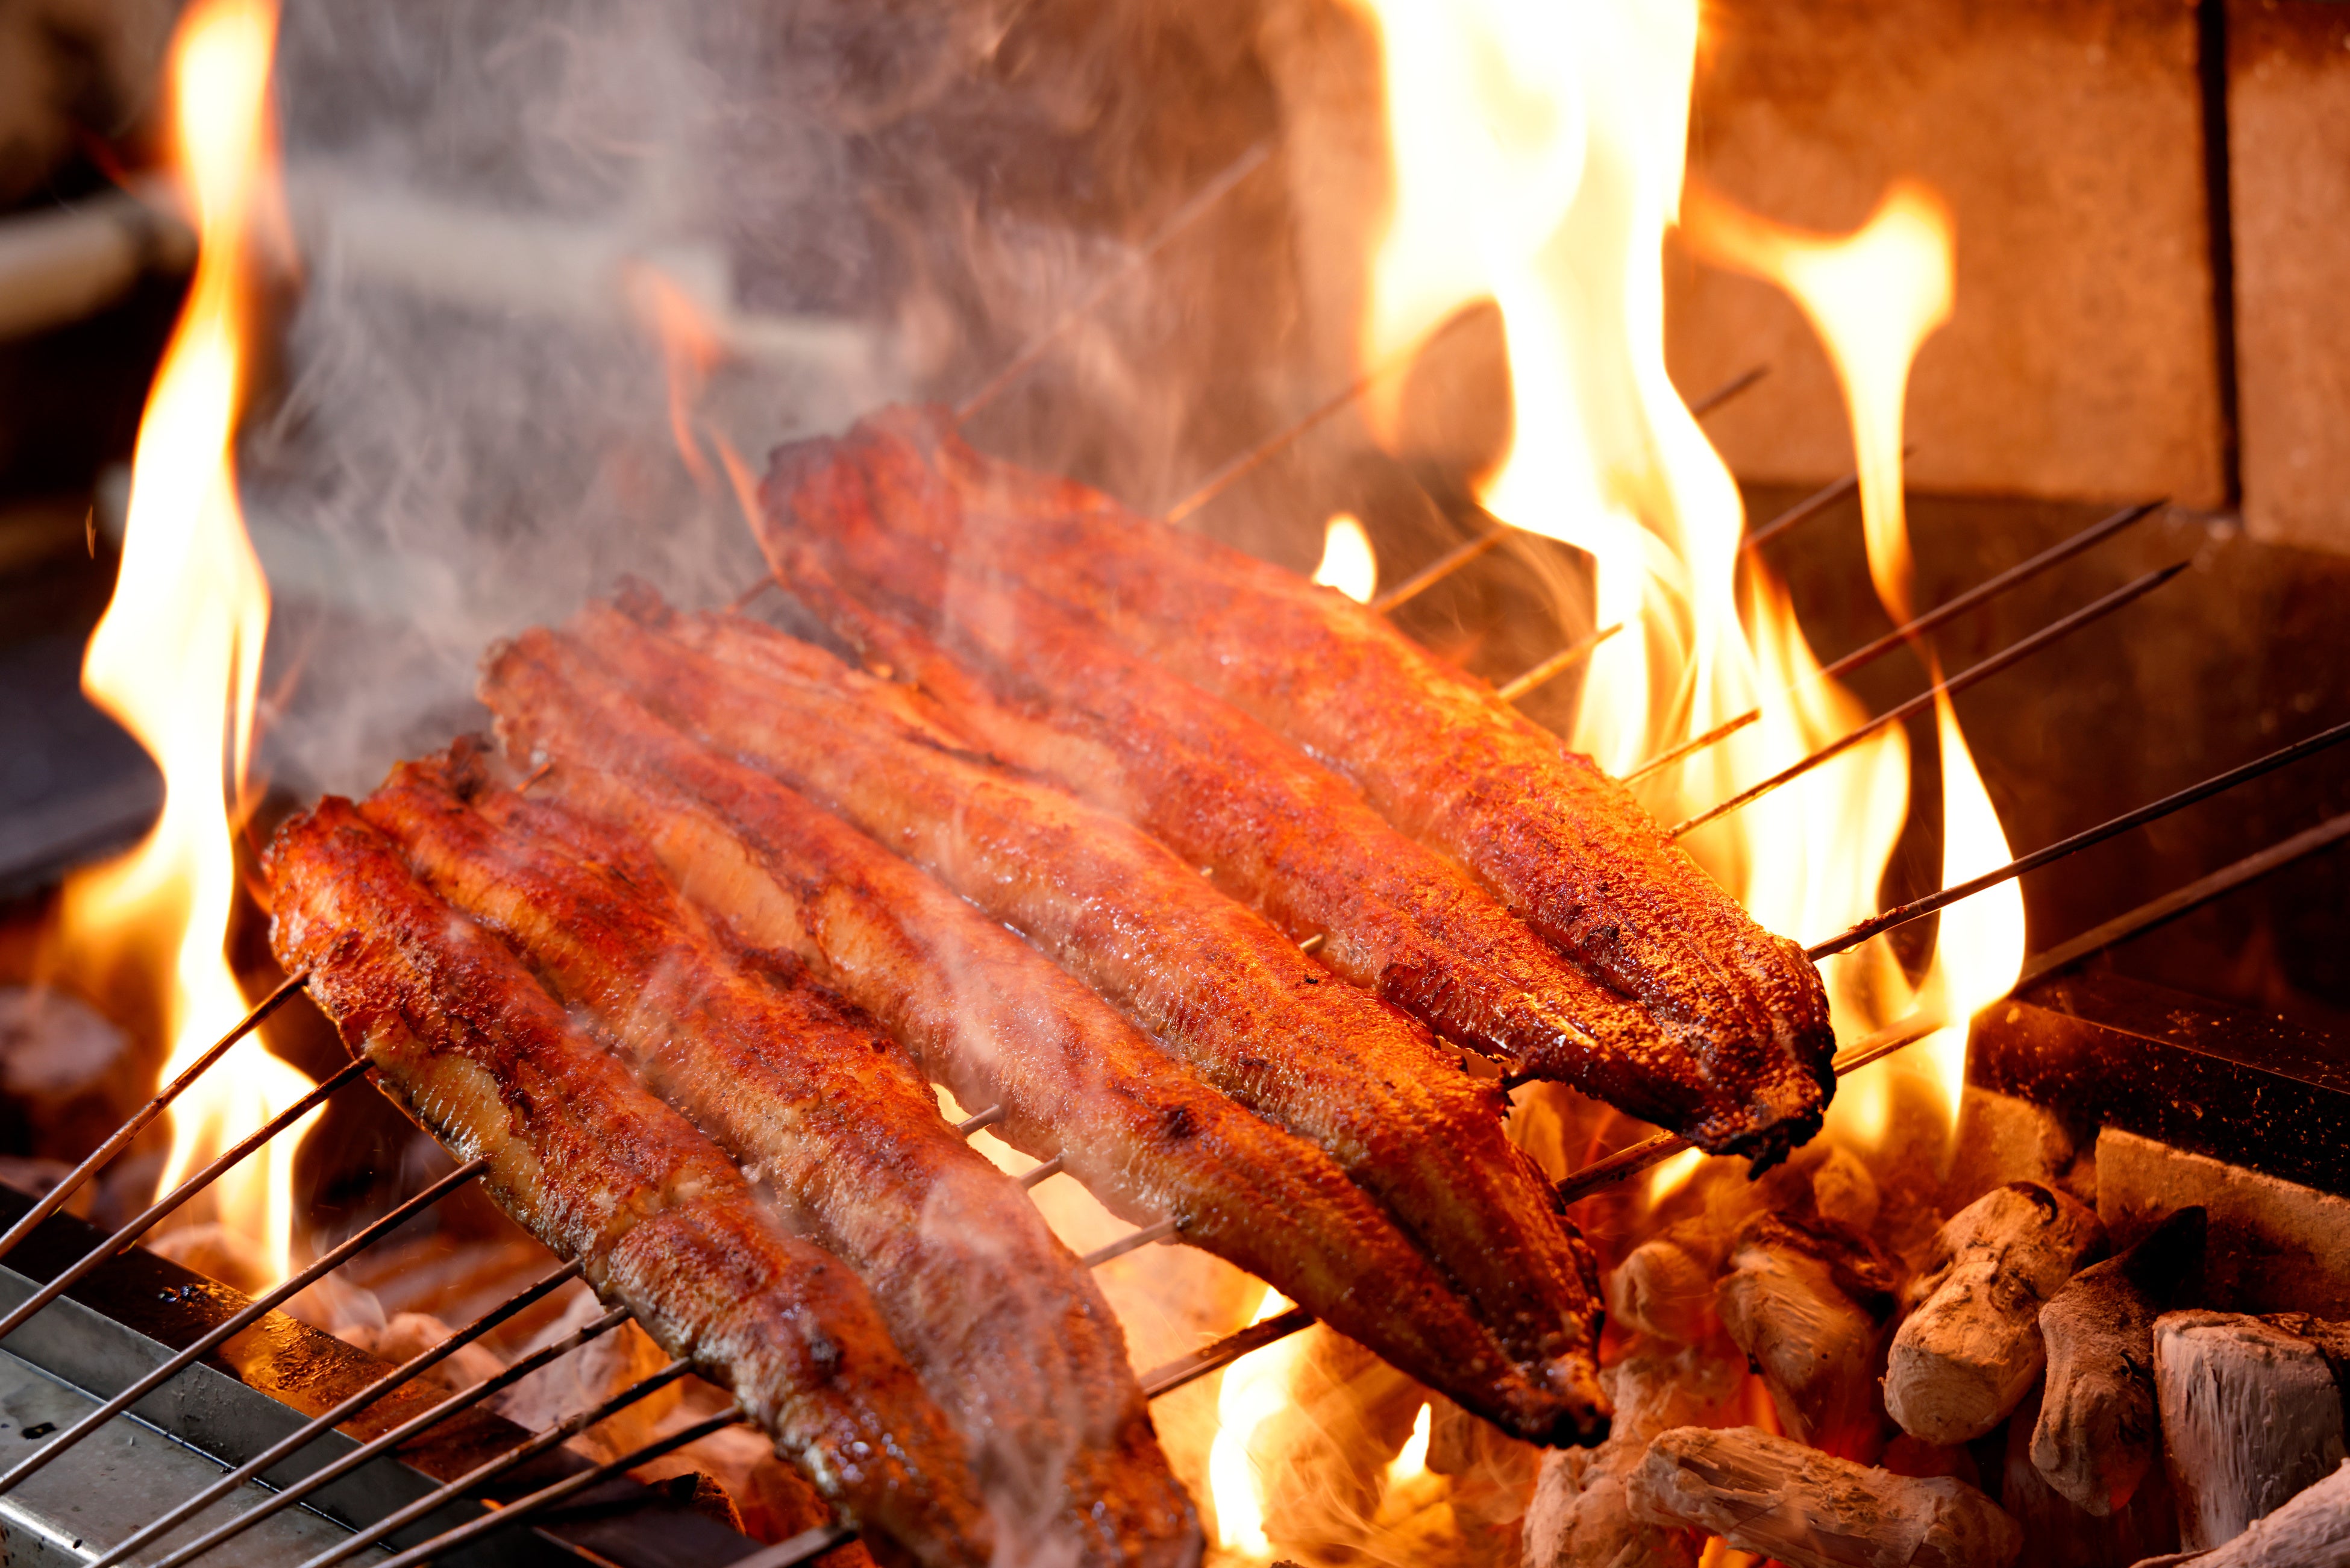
(1347, 563)
(177, 658)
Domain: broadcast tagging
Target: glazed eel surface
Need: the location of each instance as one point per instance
(591, 1163)
(1561, 845)
(1000, 1024)
(1040, 687)
(1264, 1022)
(1011, 1336)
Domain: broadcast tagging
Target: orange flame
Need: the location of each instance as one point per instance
(1348, 564)
(1538, 156)
(177, 657)
(1254, 1390)
(1873, 296)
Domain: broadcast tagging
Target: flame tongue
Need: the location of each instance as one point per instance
(177, 657)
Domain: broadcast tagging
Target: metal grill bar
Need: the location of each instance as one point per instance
(570, 1486)
(489, 1469)
(398, 1378)
(423, 1421)
(237, 1322)
(120, 1139)
(1990, 588)
(1952, 686)
(178, 1195)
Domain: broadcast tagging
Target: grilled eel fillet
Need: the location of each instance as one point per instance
(1563, 847)
(598, 1169)
(1040, 686)
(1195, 969)
(1011, 1336)
(998, 1024)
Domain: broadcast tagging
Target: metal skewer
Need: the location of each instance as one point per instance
(398, 1378)
(1189, 213)
(120, 1139)
(383, 1442)
(489, 1469)
(521, 1507)
(1557, 664)
(163, 1205)
(1163, 1380)
(1461, 554)
(1628, 1162)
(236, 1323)
(1919, 909)
(1990, 588)
(1949, 686)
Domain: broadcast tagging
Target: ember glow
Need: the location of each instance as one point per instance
(177, 659)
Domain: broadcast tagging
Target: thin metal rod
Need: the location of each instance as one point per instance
(120, 1138)
(986, 1119)
(812, 1542)
(2201, 891)
(398, 1378)
(1951, 686)
(1650, 1152)
(1037, 1175)
(157, 1210)
(457, 1404)
(1629, 1162)
(1990, 588)
(1443, 566)
(1919, 909)
(1313, 944)
(1161, 1380)
(1743, 381)
(237, 1322)
(1557, 664)
(489, 1470)
(1127, 1243)
(570, 1486)
(1189, 213)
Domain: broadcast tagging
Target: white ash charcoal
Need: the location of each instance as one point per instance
(2313, 1530)
(1664, 1286)
(1773, 1495)
(587, 1377)
(1807, 1304)
(2058, 1533)
(1844, 1190)
(2096, 1435)
(1580, 1517)
(2252, 1413)
(1972, 1348)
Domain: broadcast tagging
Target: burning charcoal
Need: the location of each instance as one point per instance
(2313, 1530)
(1972, 1348)
(2095, 1437)
(589, 1377)
(1665, 1286)
(773, 1502)
(410, 1334)
(1581, 1515)
(1773, 1495)
(1806, 1303)
(216, 1252)
(1844, 1190)
(2058, 1533)
(2252, 1413)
